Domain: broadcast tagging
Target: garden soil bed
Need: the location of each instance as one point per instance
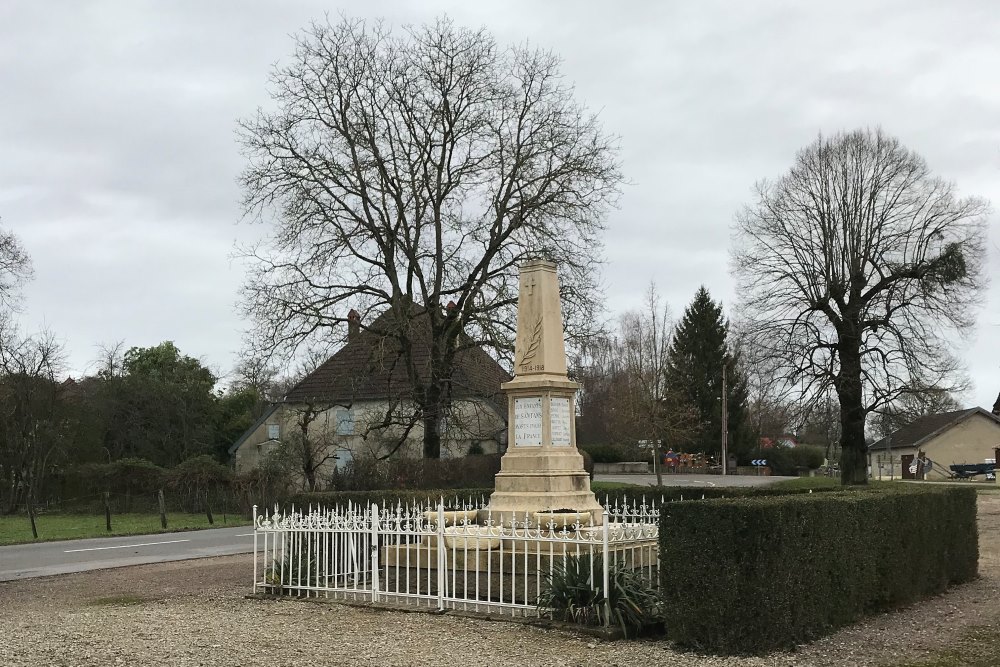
(195, 613)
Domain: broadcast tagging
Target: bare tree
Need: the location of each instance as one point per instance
(312, 442)
(653, 412)
(625, 380)
(854, 267)
(917, 403)
(111, 360)
(769, 396)
(407, 171)
(33, 432)
(15, 270)
(819, 424)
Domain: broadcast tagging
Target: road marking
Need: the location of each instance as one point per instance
(124, 546)
(246, 535)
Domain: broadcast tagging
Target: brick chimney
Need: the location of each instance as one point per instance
(353, 325)
(996, 406)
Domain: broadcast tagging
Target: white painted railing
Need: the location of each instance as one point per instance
(442, 558)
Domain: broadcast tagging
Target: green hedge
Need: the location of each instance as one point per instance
(789, 460)
(661, 494)
(388, 497)
(459, 473)
(630, 496)
(615, 453)
(754, 574)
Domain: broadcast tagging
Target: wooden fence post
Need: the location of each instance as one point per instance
(163, 509)
(208, 510)
(107, 510)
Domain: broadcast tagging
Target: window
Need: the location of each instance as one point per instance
(345, 422)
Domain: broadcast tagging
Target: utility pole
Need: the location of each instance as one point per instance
(725, 422)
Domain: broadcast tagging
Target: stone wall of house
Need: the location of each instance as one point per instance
(344, 428)
(259, 444)
(971, 441)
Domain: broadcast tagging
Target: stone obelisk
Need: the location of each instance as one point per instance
(542, 469)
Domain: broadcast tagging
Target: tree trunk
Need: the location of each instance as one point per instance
(208, 510)
(853, 449)
(308, 465)
(310, 474)
(31, 515)
(432, 435)
(436, 392)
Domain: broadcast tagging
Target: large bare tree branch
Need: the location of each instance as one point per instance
(420, 167)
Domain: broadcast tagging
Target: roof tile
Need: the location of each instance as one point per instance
(370, 366)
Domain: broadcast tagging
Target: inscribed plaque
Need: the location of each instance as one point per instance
(528, 422)
(559, 422)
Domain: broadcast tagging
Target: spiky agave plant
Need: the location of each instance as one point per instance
(291, 571)
(571, 590)
(574, 591)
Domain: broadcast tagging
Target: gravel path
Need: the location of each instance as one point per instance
(194, 613)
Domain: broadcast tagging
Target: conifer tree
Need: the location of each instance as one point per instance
(694, 370)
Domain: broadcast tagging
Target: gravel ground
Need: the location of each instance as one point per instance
(194, 613)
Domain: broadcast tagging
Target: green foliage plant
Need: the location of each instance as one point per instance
(574, 591)
(301, 570)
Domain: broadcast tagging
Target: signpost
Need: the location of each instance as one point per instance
(759, 463)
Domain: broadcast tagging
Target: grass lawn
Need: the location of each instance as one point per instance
(16, 529)
(831, 482)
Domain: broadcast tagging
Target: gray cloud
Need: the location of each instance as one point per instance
(118, 160)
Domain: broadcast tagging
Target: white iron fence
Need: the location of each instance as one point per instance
(442, 558)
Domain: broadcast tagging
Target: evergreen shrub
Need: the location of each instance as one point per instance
(614, 453)
(789, 460)
(604, 453)
(757, 573)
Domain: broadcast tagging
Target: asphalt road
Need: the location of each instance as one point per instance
(678, 479)
(22, 561)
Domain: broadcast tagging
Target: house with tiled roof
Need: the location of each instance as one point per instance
(946, 438)
(359, 401)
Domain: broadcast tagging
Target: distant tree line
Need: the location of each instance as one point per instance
(154, 405)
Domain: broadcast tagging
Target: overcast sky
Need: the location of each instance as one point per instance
(118, 161)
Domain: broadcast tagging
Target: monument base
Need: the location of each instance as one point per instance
(550, 480)
(470, 553)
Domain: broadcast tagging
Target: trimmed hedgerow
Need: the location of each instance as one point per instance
(630, 496)
(754, 574)
(389, 497)
(459, 473)
(662, 494)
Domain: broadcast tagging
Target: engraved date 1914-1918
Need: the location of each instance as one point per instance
(528, 368)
